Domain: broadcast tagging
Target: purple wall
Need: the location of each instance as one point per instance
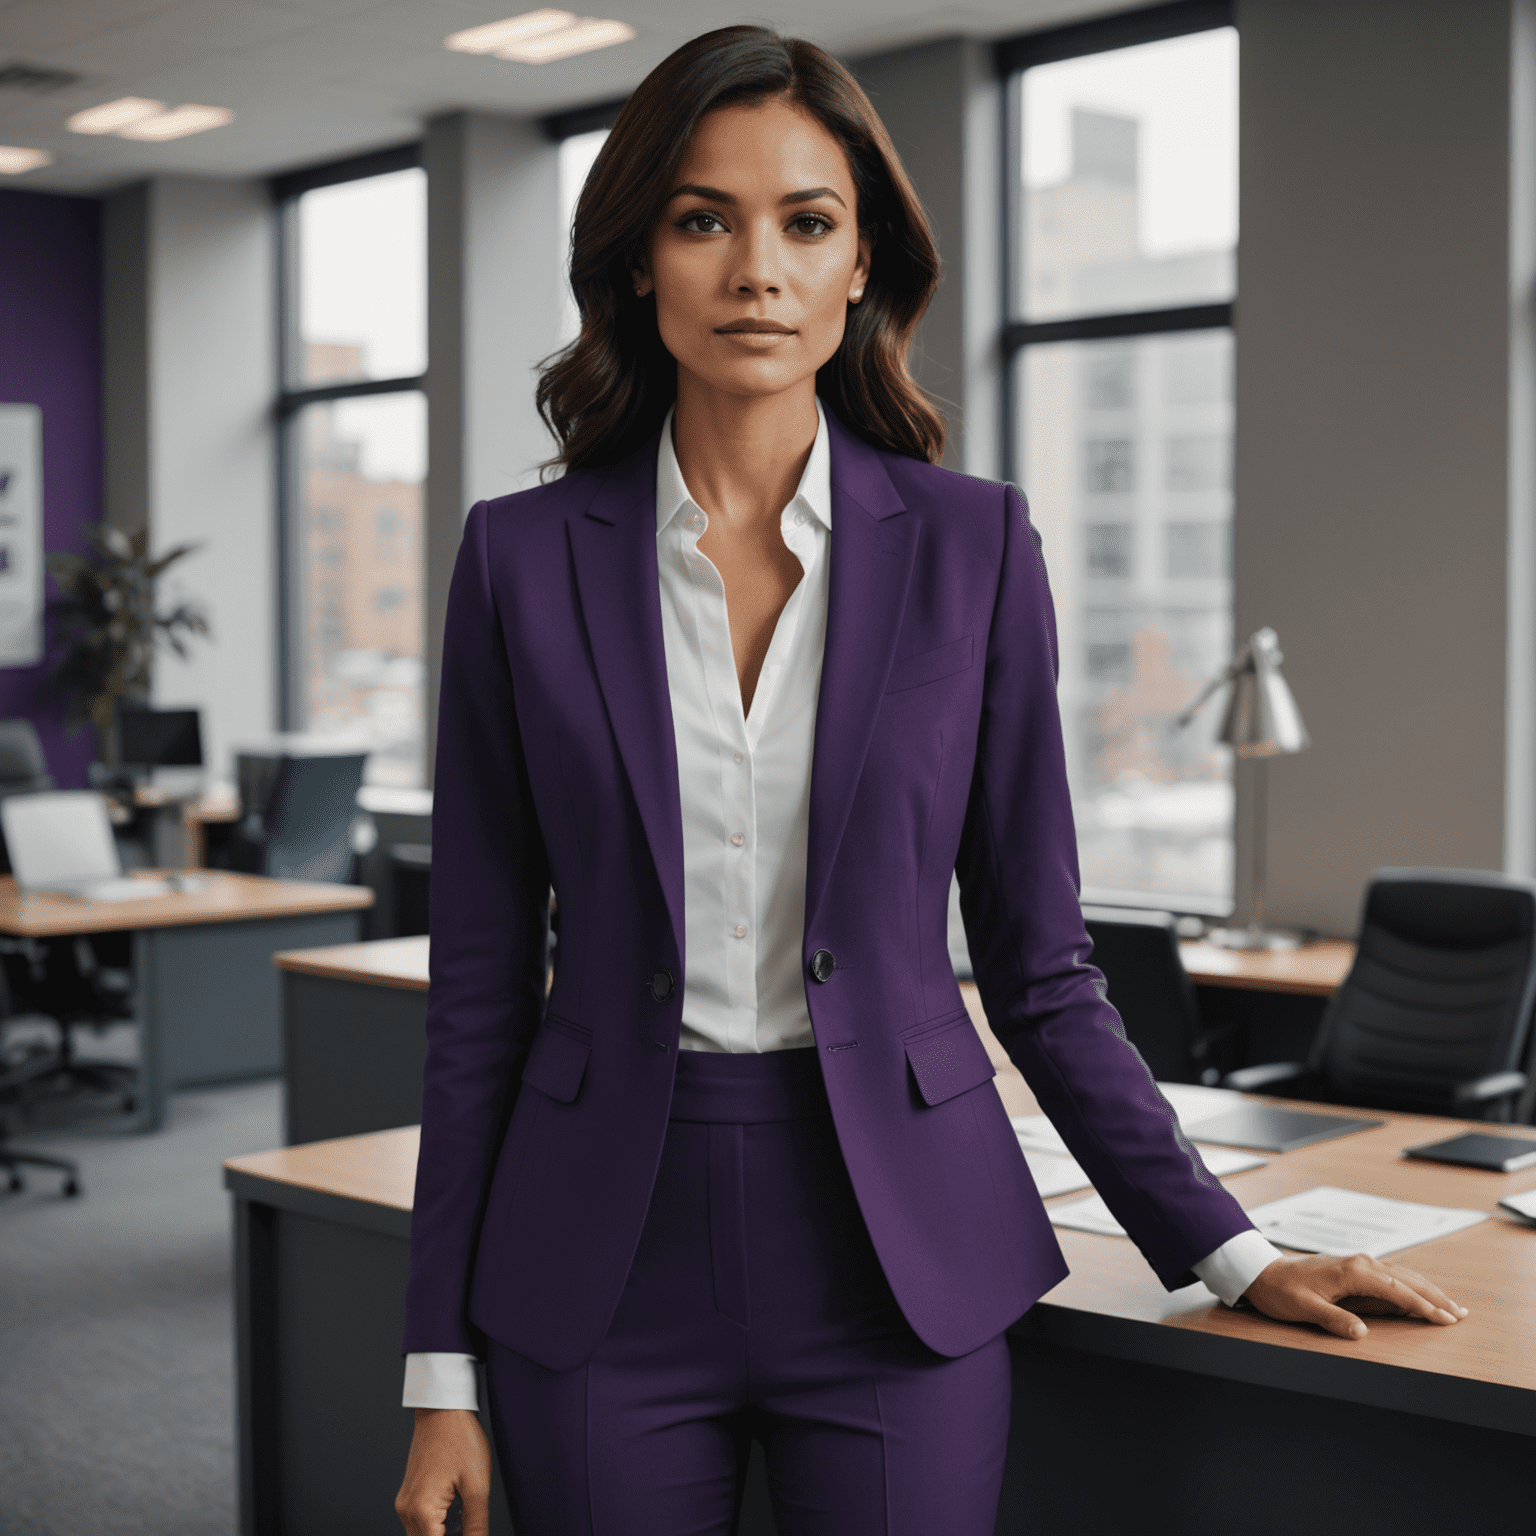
(50, 356)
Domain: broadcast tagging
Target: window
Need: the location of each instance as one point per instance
(353, 445)
(1121, 259)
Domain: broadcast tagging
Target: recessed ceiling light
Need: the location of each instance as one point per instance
(178, 123)
(14, 160)
(495, 35)
(540, 37)
(114, 116)
(581, 37)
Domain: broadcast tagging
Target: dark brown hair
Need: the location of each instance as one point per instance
(606, 393)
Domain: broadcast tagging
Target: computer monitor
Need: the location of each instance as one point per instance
(160, 738)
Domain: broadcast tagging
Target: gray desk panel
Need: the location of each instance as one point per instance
(354, 1053)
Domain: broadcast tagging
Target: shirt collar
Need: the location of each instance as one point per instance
(814, 490)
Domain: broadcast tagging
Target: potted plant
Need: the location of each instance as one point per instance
(106, 617)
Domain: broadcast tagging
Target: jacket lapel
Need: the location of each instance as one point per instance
(613, 545)
(873, 544)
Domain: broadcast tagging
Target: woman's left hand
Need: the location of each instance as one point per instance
(1310, 1288)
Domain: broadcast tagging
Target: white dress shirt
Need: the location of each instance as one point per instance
(745, 783)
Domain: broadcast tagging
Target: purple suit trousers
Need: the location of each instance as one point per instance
(755, 1308)
(937, 749)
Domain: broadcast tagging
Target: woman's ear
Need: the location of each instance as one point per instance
(860, 279)
(641, 279)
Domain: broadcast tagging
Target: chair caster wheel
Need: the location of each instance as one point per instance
(71, 1187)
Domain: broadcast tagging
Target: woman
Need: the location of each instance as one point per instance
(745, 1174)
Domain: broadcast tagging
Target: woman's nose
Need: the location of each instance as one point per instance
(757, 272)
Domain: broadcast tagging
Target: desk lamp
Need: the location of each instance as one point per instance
(1261, 722)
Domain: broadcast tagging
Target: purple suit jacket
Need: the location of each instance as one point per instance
(937, 748)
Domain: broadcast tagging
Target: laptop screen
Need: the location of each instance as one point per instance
(59, 838)
(161, 738)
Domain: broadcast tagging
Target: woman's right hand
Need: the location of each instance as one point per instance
(449, 1455)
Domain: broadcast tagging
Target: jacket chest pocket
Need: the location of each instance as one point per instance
(930, 666)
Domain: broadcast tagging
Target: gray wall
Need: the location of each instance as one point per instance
(190, 378)
(1373, 484)
(493, 311)
(942, 106)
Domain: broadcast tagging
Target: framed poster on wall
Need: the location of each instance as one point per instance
(21, 535)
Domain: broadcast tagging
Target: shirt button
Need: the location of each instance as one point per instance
(738, 838)
(800, 519)
(736, 756)
(740, 930)
(694, 520)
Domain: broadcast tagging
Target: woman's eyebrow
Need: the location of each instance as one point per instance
(715, 195)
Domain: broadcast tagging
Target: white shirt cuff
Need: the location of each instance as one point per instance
(440, 1381)
(1237, 1264)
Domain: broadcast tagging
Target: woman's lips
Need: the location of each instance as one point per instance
(754, 328)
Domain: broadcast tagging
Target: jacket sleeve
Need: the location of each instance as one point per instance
(1019, 896)
(489, 915)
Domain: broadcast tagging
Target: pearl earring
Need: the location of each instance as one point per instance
(858, 293)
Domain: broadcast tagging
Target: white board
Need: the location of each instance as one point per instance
(21, 535)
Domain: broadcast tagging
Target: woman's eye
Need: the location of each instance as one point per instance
(702, 224)
(811, 224)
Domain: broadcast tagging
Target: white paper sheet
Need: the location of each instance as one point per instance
(1343, 1221)
(1521, 1205)
(1092, 1215)
(1191, 1103)
(1055, 1175)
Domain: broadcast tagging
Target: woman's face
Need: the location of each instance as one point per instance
(758, 252)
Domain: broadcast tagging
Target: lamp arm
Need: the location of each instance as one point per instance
(1191, 710)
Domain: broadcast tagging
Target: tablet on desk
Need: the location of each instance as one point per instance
(1266, 1128)
(1499, 1154)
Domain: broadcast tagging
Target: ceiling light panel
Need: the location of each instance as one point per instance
(497, 35)
(582, 36)
(178, 123)
(540, 37)
(14, 160)
(114, 116)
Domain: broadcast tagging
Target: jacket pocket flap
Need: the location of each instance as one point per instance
(949, 1061)
(557, 1064)
(930, 666)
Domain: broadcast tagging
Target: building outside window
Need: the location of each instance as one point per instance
(1122, 258)
(353, 412)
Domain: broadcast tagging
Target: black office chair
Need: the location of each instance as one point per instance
(305, 832)
(1149, 986)
(1435, 1015)
(70, 981)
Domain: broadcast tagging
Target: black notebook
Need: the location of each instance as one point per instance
(1268, 1129)
(1502, 1154)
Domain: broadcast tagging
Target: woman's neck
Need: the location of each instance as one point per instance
(742, 456)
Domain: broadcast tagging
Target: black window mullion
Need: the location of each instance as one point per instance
(292, 401)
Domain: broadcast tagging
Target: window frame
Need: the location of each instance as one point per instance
(1012, 57)
(285, 191)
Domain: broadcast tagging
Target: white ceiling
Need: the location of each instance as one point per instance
(313, 80)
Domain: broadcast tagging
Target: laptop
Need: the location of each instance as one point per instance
(61, 842)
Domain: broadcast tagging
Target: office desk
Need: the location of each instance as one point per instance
(1314, 970)
(205, 994)
(1134, 1409)
(354, 1037)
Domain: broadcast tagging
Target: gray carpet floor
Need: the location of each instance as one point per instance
(117, 1394)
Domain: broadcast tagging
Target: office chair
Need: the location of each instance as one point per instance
(67, 980)
(304, 833)
(1150, 988)
(1435, 1014)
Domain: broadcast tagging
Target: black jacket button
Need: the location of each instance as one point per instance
(662, 986)
(822, 965)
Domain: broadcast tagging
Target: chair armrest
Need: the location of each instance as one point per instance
(1496, 1085)
(1256, 1079)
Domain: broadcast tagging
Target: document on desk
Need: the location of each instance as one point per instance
(1343, 1221)
(1190, 1102)
(1092, 1215)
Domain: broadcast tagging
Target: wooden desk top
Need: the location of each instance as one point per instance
(1314, 970)
(378, 1169)
(380, 962)
(224, 898)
